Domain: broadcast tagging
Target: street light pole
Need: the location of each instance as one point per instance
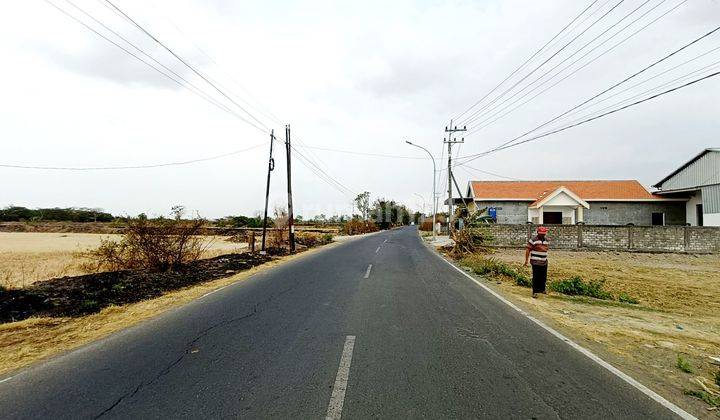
(434, 173)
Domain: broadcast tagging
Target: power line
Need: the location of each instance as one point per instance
(526, 62)
(259, 108)
(543, 63)
(507, 146)
(482, 125)
(564, 60)
(188, 65)
(466, 167)
(352, 152)
(106, 168)
(649, 91)
(613, 86)
(685, 76)
(322, 173)
(199, 93)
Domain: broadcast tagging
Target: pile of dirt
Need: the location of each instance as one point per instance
(82, 295)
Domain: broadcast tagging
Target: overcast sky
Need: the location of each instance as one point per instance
(358, 76)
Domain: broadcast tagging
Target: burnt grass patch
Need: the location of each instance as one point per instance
(82, 295)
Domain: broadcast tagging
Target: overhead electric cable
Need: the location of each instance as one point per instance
(615, 85)
(352, 152)
(323, 175)
(564, 60)
(684, 76)
(507, 146)
(106, 168)
(649, 91)
(526, 62)
(514, 85)
(188, 65)
(260, 107)
(490, 120)
(466, 167)
(125, 50)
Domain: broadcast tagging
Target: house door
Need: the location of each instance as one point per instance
(552, 217)
(699, 214)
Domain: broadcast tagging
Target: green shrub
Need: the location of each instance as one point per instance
(717, 378)
(89, 306)
(494, 268)
(625, 298)
(703, 395)
(576, 286)
(684, 365)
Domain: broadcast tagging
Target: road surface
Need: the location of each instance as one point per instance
(375, 327)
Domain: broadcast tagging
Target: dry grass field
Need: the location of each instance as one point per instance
(678, 313)
(28, 257)
(25, 342)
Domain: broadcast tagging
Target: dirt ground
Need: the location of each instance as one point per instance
(678, 314)
(28, 257)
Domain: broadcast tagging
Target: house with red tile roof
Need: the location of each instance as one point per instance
(601, 202)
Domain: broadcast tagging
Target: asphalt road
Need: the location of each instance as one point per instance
(428, 343)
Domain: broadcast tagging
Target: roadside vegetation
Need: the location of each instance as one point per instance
(119, 280)
(657, 316)
(60, 289)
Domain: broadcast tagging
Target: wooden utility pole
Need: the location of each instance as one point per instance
(450, 141)
(291, 222)
(271, 167)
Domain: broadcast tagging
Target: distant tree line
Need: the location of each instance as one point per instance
(55, 214)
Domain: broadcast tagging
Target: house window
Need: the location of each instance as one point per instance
(658, 219)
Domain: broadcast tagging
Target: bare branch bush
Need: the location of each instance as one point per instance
(158, 245)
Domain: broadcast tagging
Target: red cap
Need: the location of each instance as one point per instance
(542, 230)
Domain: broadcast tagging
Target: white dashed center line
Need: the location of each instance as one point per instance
(377, 250)
(337, 398)
(367, 273)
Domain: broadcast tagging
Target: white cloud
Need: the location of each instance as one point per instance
(349, 75)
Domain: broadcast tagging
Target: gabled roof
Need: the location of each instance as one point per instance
(629, 190)
(545, 198)
(688, 163)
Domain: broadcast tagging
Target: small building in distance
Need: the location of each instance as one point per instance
(697, 181)
(604, 202)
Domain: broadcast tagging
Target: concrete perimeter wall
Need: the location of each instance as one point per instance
(622, 238)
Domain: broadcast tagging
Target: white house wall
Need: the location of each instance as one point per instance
(711, 219)
(690, 208)
(562, 199)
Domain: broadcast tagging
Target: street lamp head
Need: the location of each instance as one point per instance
(408, 142)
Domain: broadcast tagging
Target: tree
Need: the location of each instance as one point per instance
(388, 213)
(362, 201)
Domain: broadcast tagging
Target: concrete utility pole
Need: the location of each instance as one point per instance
(434, 194)
(271, 167)
(450, 141)
(291, 222)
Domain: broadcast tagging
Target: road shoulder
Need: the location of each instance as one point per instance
(36, 340)
(593, 350)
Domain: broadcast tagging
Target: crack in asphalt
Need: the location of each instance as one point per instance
(188, 348)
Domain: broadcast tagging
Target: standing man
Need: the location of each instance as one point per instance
(536, 252)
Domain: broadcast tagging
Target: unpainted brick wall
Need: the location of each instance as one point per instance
(634, 238)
